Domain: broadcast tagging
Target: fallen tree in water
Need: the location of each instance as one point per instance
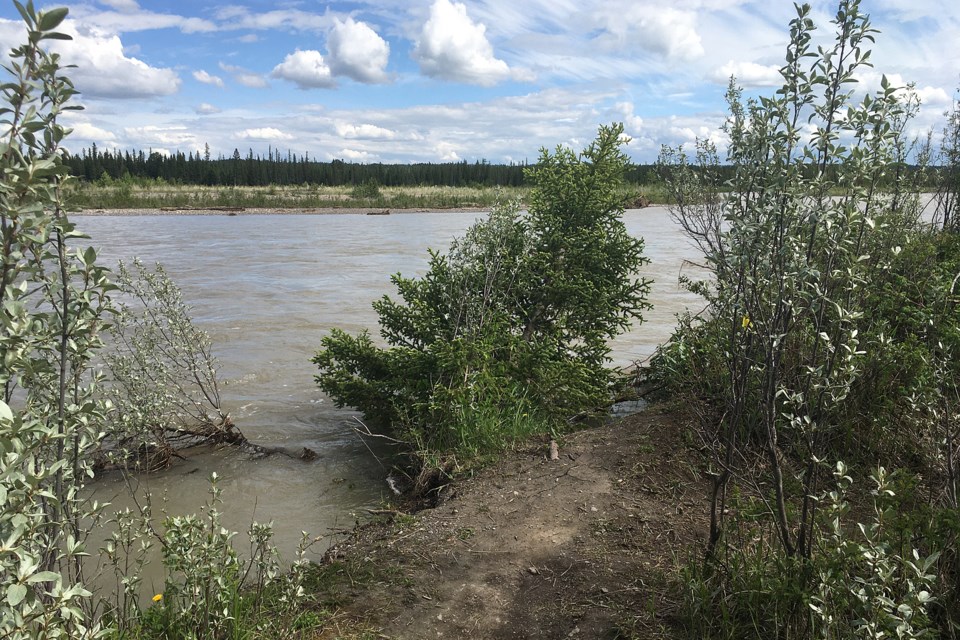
(164, 385)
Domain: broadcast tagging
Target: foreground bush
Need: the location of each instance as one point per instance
(507, 332)
(55, 413)
(52, 306)
(831, 333)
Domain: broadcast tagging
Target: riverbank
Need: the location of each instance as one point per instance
(149, 195)
(259, 211)
(134, 195)
(587, 546)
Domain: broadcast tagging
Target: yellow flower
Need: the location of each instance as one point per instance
(747, 322)
(158, 597)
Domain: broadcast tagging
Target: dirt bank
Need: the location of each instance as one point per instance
(583, 547)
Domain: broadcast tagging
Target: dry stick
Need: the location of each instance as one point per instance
(369, 434)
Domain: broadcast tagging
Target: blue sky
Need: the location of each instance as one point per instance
(441, 80)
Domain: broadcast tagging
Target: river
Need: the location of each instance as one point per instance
(267, 288)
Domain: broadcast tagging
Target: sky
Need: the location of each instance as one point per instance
(400, 81)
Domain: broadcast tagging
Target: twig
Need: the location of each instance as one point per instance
(366, 432)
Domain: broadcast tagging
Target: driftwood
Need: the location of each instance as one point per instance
(164, 447)
(188, 208)
(639, 201)
(161, 454)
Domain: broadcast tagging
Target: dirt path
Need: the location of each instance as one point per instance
(583, 547)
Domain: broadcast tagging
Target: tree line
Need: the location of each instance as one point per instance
(276, 168)
(281, 169)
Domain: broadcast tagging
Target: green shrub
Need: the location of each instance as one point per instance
(163, 382)
(865, 579)
(369, 190)
(507, 332)
(810, 225)
(211, 592)
(53, 303)
(831, 330)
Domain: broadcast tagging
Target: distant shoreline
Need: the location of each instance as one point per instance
(249, 211)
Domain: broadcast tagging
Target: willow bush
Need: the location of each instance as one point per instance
(829, 334)
(507, 332)
(56, 414)
(162, 376)
(947, 175)
(52, 304)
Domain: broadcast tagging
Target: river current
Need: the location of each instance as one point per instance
(267, 288)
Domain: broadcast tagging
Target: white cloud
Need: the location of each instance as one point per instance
(129, 17)
(749, 74)
(446, 152)
(499, 129)
(668, 32)
(151, 136)
(871, 80)
(929, 96)
(244, 76)
(934, 97)
(87, 131)
(648, 134)
(307, 69)
(121, 5)
(686, 130)
(205, 109)
(206, 78)
(104, 70)
(353, 154)
(237, 17)
(264, 133)
(632, 123)
(232, 12)
(249, 38)
(454, 47)
(364, 131)
(356, 51)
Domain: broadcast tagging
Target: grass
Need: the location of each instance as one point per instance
(128, 195)
(160, 195)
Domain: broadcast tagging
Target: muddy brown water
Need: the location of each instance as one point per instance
(267, 288)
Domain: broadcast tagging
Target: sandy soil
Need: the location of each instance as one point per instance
(587, 546)
(267, 211)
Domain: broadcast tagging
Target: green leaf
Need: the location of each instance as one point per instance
(44, 576)
(26, 15)
(52, 19)
(5, 413)
(15, 594)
